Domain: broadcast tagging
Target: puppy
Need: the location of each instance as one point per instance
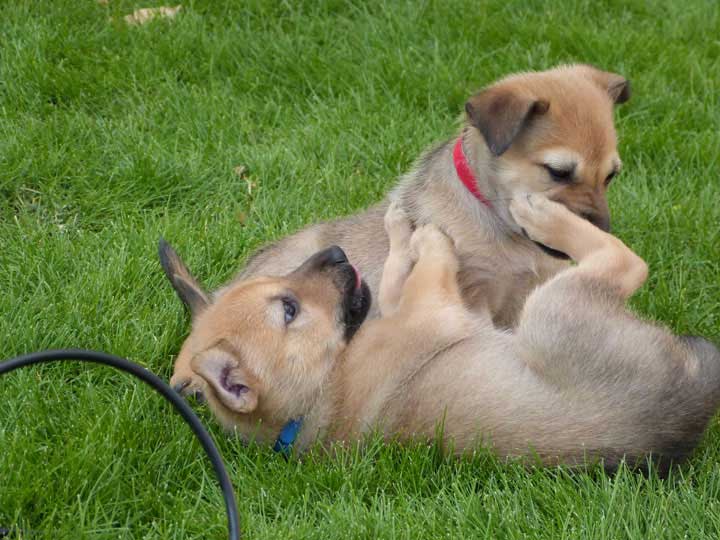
(581, 378)
(549, 132)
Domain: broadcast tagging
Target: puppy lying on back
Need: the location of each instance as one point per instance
(549, 132)
(287, 362)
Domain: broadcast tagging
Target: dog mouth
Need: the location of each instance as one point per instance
(547, 249)
(356, 300)
(358, 279)
(600, 220)
(553, 252)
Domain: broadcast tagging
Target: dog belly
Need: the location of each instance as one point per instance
(476, 393)
(482, 394)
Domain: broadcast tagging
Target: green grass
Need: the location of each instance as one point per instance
(112, 136)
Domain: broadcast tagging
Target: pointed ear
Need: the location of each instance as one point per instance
(231, 383)
(501, 114)
(617, 86)
(185, 285)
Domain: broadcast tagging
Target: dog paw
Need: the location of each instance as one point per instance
(542, 219)
(188, 387)
(397, 225)
(429, 239)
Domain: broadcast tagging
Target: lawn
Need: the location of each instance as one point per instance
(239, 122)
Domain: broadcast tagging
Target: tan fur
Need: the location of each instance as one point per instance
(499, 266)
(580, 379)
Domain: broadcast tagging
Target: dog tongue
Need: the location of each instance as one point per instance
(357, 277)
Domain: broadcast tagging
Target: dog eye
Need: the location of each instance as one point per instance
(610, 177)
(291, 309)
(560, 175)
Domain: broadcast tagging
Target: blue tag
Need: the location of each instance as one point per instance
(288, 434)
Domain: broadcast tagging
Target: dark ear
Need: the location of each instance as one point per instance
(617, 86)
(500, 115)
(185, 285)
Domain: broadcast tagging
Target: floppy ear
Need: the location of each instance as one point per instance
(185, 285)
(617, 86)
(500, 115)
(231, 383)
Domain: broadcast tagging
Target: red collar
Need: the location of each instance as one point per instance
(464, 172)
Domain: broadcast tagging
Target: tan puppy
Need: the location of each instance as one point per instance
(581, 378)
(549, 132)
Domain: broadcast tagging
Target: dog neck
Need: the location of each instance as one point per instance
(319, 415)
(434, 185)
(326, 420)
(466, 174)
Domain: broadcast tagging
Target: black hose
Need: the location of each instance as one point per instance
(160, 386)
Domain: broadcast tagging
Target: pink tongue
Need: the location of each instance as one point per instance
(357, 277)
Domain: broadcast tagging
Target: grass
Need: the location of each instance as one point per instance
(112, 136)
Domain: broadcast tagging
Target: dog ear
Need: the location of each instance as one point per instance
(617, 86)
(500, 115)
(232, 384)
(185, 285)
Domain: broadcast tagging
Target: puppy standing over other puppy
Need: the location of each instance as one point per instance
(581, 378)
(548, 132)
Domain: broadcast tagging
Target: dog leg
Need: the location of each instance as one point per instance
(599, 255)
(399, 262)
(433, 280)
(622, 388)
(428, 317)
(185, 381)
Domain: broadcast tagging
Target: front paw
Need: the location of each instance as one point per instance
(543, 220)
(189, 386)
(397, 225)
(429, 239)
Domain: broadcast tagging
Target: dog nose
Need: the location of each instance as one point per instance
(601, 221)
(327, 258)
(331, 256)
(336, 255)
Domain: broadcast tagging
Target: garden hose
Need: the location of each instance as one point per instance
(159, 386)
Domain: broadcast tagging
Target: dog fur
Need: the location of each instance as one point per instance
(518, 134)
(581, 379)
